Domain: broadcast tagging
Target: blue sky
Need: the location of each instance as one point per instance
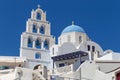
(99, 18)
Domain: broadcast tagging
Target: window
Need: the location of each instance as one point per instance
(38, 16)
(61, 65)
(46, 44)
(38, 43)
(37, 56)
(29, 42)
(34, 28)
(93, 48)
(88, 47)
(80, 39)
(42, 30)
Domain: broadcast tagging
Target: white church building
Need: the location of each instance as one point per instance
(75, 57)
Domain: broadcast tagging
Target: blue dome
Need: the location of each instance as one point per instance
(73, 28)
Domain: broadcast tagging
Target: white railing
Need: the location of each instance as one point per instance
(64, 69)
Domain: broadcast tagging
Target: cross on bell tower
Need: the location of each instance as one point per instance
(38, 6)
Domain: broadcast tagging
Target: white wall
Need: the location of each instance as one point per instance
(72, 37)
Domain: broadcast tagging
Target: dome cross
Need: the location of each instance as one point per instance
(72, 22)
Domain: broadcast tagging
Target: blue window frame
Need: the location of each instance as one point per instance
(46, 44)
(37, 56)
(38, 16)
(42, 30)
(29, 42)
(38, 43)
(34, 28)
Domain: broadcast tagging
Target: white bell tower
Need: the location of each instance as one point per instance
(37, 39)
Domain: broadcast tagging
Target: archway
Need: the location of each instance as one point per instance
(30, 42)
(38, 43)
(36, 67)
(46, 44)
(42, 29)
(34, 28)
(38, 16)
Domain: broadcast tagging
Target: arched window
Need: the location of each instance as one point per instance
(80, 39)
(37, 56)
(38, 43)
(34, 28)
(30, 42)
(42, 30)
(46, 44)
(38, 16)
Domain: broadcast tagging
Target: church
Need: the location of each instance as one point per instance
(74, 57)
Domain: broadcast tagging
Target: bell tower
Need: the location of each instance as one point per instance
(37, 39)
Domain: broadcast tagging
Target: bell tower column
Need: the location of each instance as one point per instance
(42, 44)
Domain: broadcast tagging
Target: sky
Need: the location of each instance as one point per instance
(99, 18)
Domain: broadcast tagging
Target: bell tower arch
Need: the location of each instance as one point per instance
(37, 38)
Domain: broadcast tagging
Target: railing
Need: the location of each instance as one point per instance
(64, 69)
(68, 78)
(72, 67)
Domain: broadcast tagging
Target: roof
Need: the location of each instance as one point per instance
(71, 55)
(73, 28)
